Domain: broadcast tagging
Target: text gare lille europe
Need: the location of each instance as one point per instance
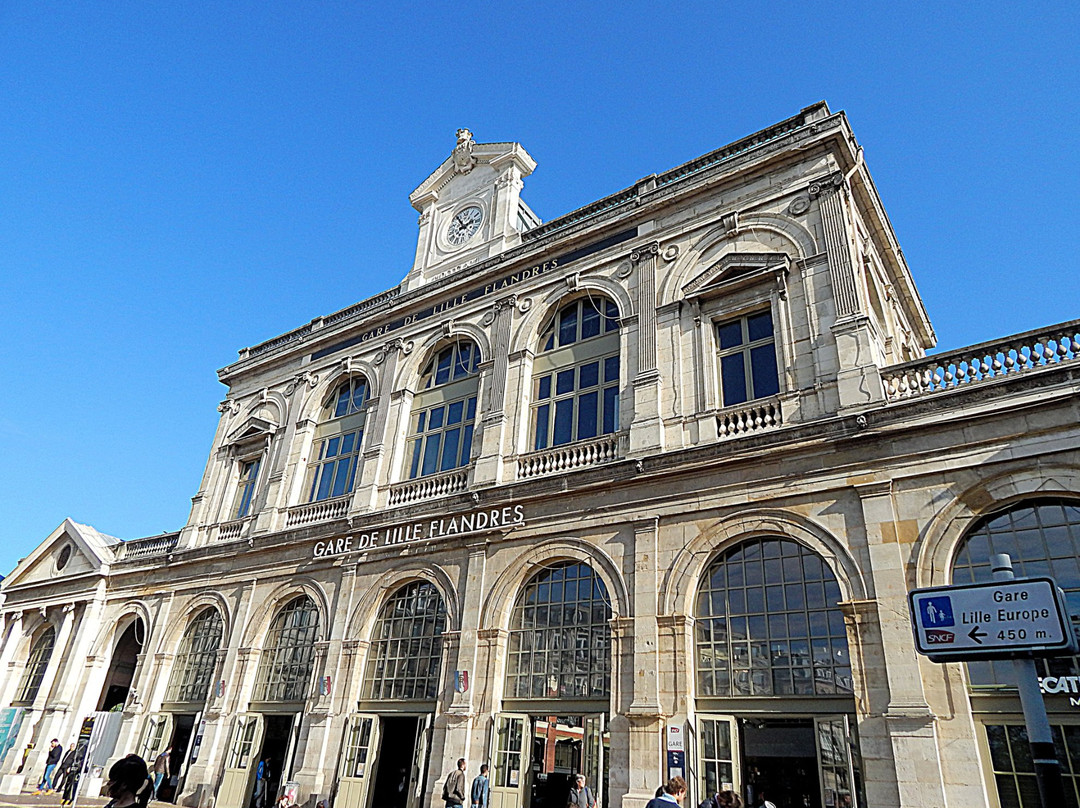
(442, 528)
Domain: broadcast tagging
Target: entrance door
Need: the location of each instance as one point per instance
(718, 751)
(240, 764)
(836, 769)
(398, 738)
(510, 760)
(155, 737)
(357, 769)
(183, 726)
(594, 755)
(419, 763)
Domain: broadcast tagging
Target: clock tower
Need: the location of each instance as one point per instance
(470, 208)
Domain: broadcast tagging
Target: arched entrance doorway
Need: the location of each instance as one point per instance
(125, 658)
(774, 701)
(557, 695)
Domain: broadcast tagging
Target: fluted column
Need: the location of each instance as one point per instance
(381, 409)
(646, 431)
(858, 380)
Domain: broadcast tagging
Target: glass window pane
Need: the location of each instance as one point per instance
(763, 369)
(348, 443)
(611, 317)
(733, 379)
(431, 454)
(414, 467)
(611, 410)
(564, 382)
(470, 408)
(759, 326)
(568, 325)
(544, 387)
(729, 334)
(590, 320)
(326, 479)
(541, 429)
(454, 412)
(588, 375)
(332, 447)
(564, 421)
(611, 369)
(442, 374)
(587, 412)
(341, 476)
(435, 419)
(450, 449)
(466, 444)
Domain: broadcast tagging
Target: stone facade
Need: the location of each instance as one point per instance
(846, 444)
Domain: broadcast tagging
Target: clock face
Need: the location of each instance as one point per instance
(464, 225)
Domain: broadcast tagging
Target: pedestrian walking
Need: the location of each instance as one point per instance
(262, 774)
(51, 762)
(481, 789)
(580, 796)
(674, 793)
(161, 770)
(64, 773)
(453, 790)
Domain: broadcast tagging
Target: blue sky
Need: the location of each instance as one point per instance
(179, 180)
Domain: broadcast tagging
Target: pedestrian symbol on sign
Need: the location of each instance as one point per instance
(936, 612)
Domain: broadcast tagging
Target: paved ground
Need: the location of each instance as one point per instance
(47, 800)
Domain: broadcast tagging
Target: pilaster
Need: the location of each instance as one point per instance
(646, 432)
(901, 753)
(499, 318)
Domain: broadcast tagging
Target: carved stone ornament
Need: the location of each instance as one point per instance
(799, 205)
(624, 269)
(572, 282)
(670, 253)
(299, 380)
(651, 249)
(229, 406)
(463, 152)
(829, 183)
(730, 222)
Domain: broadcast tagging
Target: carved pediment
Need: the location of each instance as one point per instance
(253, 430)
(70, 550)
(736, 270)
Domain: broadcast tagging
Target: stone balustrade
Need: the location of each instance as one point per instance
(228, 531)
(151, 546)
(569, 457)
(435, 485)
(754, 416)
(1021, 353)
(318, 511)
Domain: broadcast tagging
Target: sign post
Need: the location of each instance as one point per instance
(1008, 618)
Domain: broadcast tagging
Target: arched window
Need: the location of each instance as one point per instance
(443, 411)
(338, 438)
(195, 661)
(560, 639)
(576, 374)
(406, 647)
(767, 624)
(289, 653)
(1043, 538)
(40, 654)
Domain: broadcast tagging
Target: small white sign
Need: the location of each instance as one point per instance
(992, 620)
(675, 742)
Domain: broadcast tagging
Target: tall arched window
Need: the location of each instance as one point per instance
(194, 665)
(443, 411)
(36, 665)
(406, 647)
(1043, 538)
(576, 374)
(767, 624)
(289, 653)
(560, 638)
(334, 455)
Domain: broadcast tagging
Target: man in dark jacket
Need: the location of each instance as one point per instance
(55, 751)
(453, 791)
